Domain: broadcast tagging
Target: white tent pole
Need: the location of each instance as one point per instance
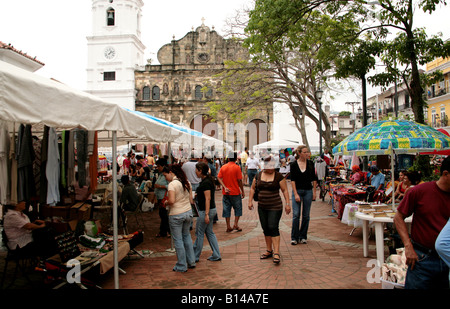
(115, 235)
(393, 179)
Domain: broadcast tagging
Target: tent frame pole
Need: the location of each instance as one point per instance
(115, 234)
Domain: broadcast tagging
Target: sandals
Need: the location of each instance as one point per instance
(266, 255)
(276, 260)
(237, 228)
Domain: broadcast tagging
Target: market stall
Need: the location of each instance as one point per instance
(393, 137)
(28, 99)
(344, 193)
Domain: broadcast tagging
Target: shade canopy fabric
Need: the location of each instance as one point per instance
(400, 136)
(276, 145)
(28, 98)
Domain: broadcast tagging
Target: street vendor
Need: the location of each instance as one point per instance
(377, 179)
(358, 175)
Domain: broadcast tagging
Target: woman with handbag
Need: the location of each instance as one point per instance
(304, 183)
(270, 206)
(160, 187)
(207, 212)
(180, 216)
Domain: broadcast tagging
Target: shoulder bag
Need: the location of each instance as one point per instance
(256, 194)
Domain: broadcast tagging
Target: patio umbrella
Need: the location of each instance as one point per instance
(393, 137)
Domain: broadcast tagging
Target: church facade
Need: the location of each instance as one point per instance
(178, 88)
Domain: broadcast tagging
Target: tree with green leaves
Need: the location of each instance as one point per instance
(386, 32)
(287, 70)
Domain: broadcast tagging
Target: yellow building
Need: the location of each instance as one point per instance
(438, 95)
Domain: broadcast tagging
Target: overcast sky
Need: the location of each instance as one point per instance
(55, 31)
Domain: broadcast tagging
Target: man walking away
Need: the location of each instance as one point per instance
(230, 177)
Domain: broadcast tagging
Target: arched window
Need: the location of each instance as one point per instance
(146, 93)
(155, 93)
(198, 92)
(110, 17)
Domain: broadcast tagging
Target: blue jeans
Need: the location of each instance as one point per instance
(251, 174)
(180, 230)
(430, 272)
(203, 229)
(305, 203)
(229, 202)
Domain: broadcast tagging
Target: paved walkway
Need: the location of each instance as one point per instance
(332, 258)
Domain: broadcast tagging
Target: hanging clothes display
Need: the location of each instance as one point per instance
(53, 168)
(37, 163)
(93, 163)
(13, 169)
(4, 163)
(26, 187)
(64, 142)
(44, 157)
(82, 155)
(71, 158)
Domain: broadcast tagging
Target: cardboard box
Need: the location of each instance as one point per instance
(80, 211)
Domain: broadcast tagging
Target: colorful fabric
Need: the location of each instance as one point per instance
(401, 135)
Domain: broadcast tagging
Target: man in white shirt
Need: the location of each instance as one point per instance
(252, 166)
(189, 169)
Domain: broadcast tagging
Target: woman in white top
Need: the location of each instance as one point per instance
(180, 216)
(30, 237)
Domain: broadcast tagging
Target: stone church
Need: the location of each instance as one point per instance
(178, 88)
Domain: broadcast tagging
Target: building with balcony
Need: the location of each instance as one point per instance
(438, 95)
(384, 105)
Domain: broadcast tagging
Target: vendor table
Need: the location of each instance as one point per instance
(105, 262)
(379, 237)
(344, 194)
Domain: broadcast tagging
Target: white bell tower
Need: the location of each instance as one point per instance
(115, 50)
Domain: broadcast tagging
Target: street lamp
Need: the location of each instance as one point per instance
(319, 93)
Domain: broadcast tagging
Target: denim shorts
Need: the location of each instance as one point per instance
(229, 202)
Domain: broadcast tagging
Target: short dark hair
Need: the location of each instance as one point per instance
(125, 179)
(161, 162)
(233, 156)
(202, 167)
(445, 166)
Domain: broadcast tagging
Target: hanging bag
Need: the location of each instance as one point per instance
(165, 199)
(256, 194)
(195, 208)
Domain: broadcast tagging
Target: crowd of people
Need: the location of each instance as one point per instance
(181, 187)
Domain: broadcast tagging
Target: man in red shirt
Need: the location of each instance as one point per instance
(430, 204)
(230, 177)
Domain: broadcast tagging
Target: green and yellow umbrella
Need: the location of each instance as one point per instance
(392, 136)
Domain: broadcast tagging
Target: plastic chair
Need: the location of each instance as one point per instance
(24, 261)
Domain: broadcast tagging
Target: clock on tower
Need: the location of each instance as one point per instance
(109, 52)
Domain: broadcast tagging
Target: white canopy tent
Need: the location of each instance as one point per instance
(275, 145)
(28, 98)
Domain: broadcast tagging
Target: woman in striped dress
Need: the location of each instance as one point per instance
(270, 206)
